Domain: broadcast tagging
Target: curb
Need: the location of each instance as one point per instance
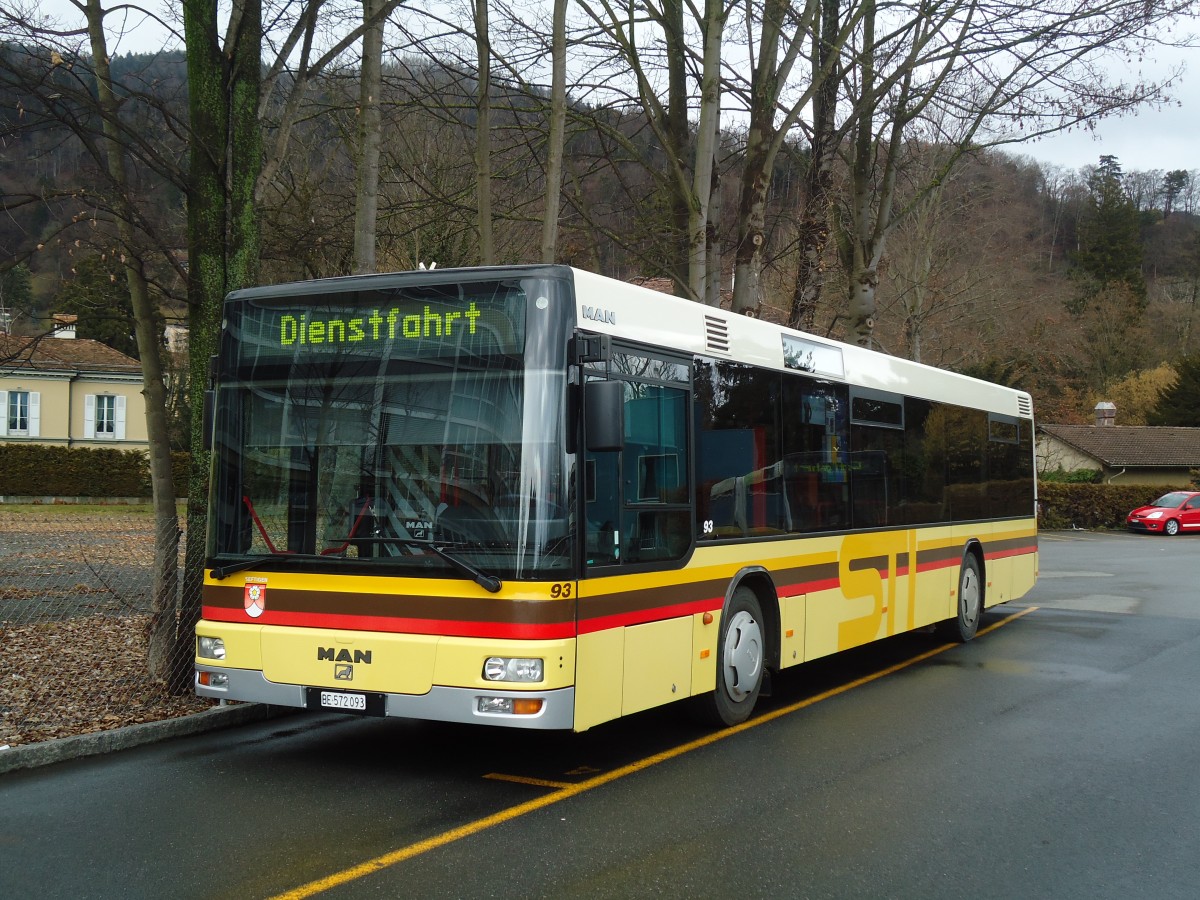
(47, 753)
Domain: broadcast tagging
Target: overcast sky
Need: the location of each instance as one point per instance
(1166, 139)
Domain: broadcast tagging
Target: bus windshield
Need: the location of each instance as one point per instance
(405, 429)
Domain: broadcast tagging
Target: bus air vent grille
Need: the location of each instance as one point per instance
(716, 334)
(1025, 406)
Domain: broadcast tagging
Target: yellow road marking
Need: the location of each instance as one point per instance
(536, 782)
(565, 792)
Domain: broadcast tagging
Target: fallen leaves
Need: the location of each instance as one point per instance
(74, 616)
(77, 676)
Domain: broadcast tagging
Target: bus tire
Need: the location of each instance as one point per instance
(970, 603)
(741, 661)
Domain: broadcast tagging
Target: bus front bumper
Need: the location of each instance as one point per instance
(441, 704)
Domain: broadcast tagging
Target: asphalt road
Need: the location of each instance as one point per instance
(1054, 756)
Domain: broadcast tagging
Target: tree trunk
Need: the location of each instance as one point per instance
(716, 211)
(752, 216)
(166, 525)
(706, 148)
(555, 141)
(483, 135)
(675, 127)
(366, 195)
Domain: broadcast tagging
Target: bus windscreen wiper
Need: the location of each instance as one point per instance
(489, 583)
(251, 562)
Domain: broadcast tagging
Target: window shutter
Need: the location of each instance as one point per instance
(89, 416)
(3, 413)
(119, 418)
(35, 414)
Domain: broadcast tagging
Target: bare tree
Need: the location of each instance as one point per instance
(968, 74)
(784, 33)
(687, 160)
(166, 544)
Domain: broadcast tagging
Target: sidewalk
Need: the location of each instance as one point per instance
(30, 756)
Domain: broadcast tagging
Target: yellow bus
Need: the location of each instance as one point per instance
(540, 498)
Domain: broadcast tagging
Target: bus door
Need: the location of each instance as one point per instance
(637, 489)
(633, 653)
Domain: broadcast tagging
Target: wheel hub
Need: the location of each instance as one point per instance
(743, 655)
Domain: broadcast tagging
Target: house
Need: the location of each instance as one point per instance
(61, 390)
(1124, 454)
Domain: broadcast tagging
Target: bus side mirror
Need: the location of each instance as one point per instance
(604, 415)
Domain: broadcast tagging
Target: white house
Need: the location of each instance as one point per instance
(62, 390)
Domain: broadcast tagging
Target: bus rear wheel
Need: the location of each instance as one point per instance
(970, 604)
(741, 657)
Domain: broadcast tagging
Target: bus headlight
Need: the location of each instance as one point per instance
(504, 668)
(210, 647)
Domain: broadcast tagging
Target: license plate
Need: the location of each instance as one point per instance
(337, 700)
(364, 704)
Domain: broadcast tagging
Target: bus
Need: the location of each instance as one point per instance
(536, 497)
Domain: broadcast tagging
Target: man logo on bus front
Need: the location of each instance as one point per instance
(343, 673)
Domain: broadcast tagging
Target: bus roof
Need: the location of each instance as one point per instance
(621, 309)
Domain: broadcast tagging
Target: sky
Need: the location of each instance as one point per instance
(1165, 139)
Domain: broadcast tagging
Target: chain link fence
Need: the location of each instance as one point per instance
(75, 601)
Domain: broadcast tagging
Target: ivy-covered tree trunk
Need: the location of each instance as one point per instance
(223, 238)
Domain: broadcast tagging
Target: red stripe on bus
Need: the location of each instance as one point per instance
(642, 616)
(396, 625)
(1006, 554)
(809, 587)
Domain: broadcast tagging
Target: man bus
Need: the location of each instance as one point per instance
(535, 497)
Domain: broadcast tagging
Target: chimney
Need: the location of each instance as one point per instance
(1106, 413)
(64, 326)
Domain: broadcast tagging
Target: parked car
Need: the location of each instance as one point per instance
(1169, 514)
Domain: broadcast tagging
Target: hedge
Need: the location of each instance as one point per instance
(35, 470)
(1093, 505)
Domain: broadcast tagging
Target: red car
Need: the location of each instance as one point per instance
(1169, 514)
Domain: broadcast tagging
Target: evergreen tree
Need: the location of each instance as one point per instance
(1179, 404)
(1174, 183)
(99, 296)
(16, 296)
(1110, 243)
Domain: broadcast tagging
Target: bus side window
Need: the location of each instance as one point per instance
(602, 510)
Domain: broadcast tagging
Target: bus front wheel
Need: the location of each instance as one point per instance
(741, 657)
(970, 603)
